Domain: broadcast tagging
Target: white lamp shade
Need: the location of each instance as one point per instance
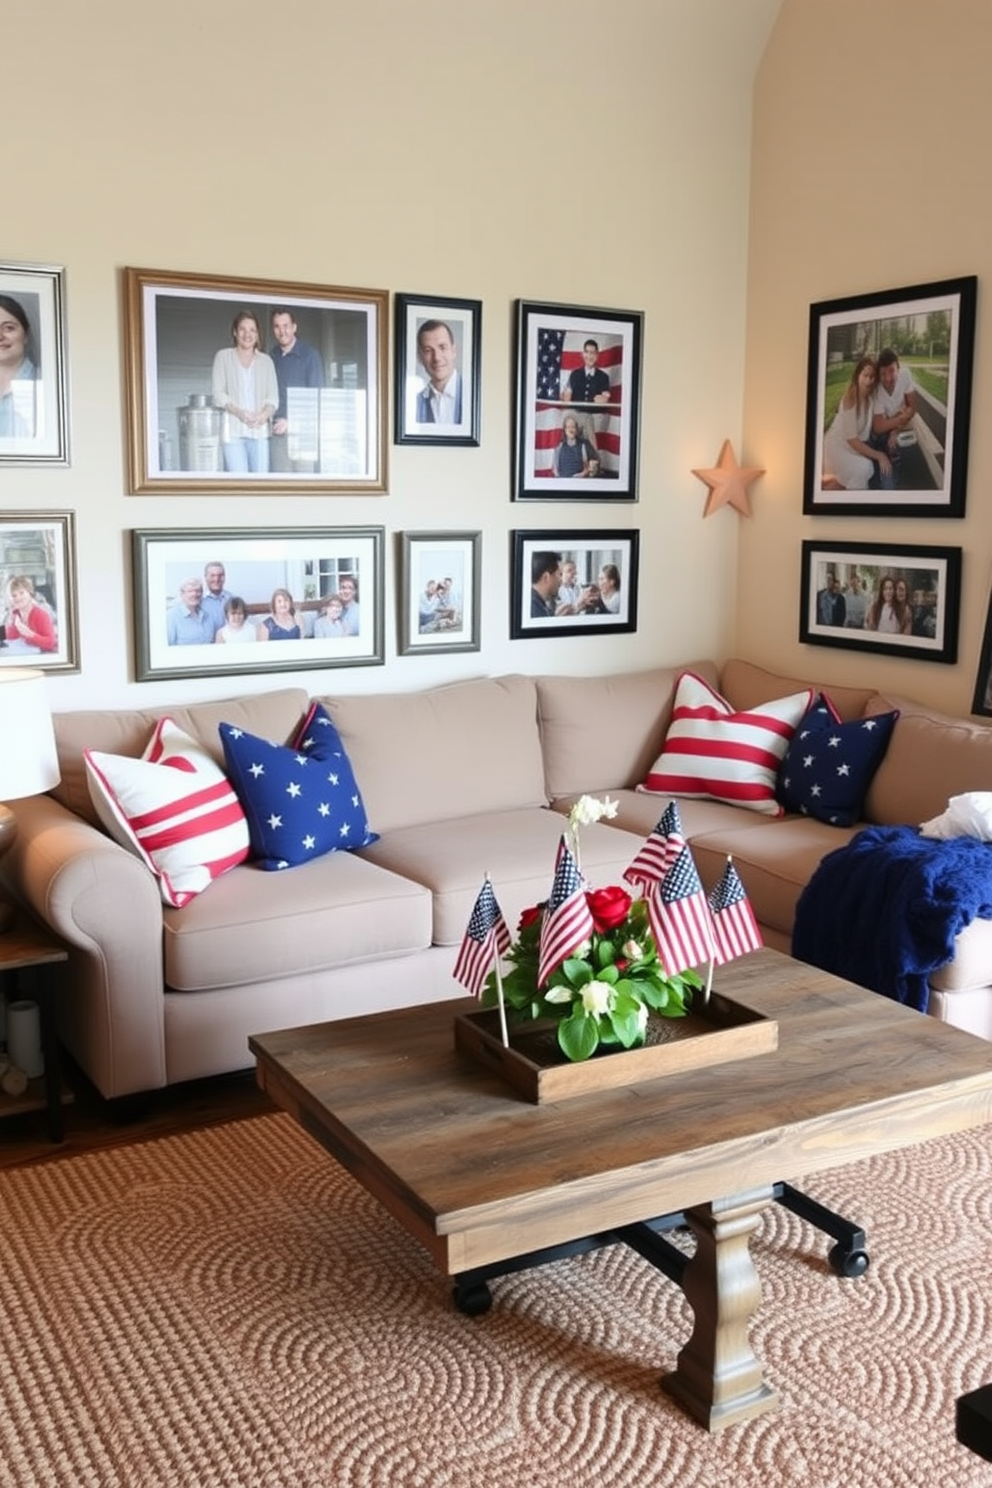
(29, 763)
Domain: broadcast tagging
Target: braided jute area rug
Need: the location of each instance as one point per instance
(229, 1308)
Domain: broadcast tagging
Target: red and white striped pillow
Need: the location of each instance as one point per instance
(710, 750)
(174, 808)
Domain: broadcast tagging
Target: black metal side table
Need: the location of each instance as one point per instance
(29, 958)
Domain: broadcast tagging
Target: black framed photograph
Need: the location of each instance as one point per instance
(269, 600)
(34, 427)
(899, 599)
(888, 402)
(439, 593)
(438, 357)
(982, 701)
(577, 403)
(573, 583)
(243, 385)
(39, 624)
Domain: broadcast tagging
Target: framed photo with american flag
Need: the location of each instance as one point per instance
(578, 403)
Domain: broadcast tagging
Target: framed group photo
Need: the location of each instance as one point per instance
(226, 600)
(439, 595)
(33, 372)
(888, 402)
(573, 583)
(577, 403)
(39, 624)
(238, 385)
(898, 599)
(438, 353)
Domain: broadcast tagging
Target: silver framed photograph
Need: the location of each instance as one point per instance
(438, 359)
(439, 592)
(238, 385)
(224, 600)
(39, 623)
(34, 426)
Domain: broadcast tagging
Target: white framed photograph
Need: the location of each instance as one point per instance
(33, 373)
(439, 592)
(39, 624)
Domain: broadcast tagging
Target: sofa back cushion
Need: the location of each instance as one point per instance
(747, 686)
(931, 757)
(274, 715)
(602, 733)
(459, 750)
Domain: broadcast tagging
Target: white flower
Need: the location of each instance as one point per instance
(642, 1017)
(596, 997)
(632, 950)
(588, 809)
(558, 994)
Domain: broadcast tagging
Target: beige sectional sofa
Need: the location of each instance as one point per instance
(457, 781)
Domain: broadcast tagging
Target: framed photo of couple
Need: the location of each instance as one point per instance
(578, 403)
(897, 599)
(888, 398)
(273, 600)
(437, 370)
(439, 596)
(33, 374)
(238, 385)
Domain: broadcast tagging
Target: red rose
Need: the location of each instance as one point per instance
(528, 916)
(608, 907)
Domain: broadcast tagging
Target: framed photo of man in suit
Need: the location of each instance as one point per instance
(438, 349)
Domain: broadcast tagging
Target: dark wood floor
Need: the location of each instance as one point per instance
(89, 1125)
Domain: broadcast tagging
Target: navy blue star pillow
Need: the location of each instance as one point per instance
(829, 765)
(301, 800)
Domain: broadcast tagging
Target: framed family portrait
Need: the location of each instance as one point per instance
(439, 592)
(888, 402)
(900, 600)
(577, 403)
(238, 385)
(437, 366)
(273, 600)
(573, 583)
(39, 624)
(34, 426)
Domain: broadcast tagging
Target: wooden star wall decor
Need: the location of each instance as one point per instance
(728, 482)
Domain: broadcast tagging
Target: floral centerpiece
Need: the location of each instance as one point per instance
(610, 977)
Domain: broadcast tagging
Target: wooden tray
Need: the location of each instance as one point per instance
(714, 1033)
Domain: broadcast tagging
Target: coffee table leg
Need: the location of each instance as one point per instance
(717, 1378)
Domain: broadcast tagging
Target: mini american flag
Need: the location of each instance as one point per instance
(735, 929)
(567, 920)
(485, 938)
(660, 850)
(680, 917)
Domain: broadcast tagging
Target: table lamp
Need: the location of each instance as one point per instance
(28, 760)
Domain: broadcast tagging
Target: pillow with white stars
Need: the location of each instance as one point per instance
(829, 765)
(301, 800)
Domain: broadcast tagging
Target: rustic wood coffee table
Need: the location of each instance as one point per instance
(480, 1176)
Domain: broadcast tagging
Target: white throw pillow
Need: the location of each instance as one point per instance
(712, 751)
(174, 809)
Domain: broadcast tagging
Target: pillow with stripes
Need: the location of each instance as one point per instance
(712, 751)
(174, 808)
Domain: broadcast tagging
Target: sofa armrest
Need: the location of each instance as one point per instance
(105, 905)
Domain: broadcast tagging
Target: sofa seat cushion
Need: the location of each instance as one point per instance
(599, 733)
(931, 757)
(452, 751)
(775, 863)
(338, 910)
(640, 813)
(516, 848)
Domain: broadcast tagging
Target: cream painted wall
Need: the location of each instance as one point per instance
(519, 148)
(872, 136)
